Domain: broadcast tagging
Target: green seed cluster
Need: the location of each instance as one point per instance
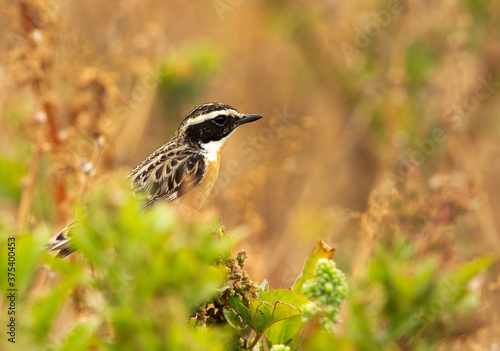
(327, 291)
(280, 348)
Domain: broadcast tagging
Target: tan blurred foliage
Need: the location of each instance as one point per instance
(351, 92)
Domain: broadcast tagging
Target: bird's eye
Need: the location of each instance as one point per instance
(220, 120)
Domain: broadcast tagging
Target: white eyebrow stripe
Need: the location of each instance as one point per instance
(205, 117)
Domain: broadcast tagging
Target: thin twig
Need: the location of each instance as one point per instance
(89, 173)
(254, 342)
(51, 123)
(28, 186)
(40, 87)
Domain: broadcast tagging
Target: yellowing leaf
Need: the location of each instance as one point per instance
(322, 250)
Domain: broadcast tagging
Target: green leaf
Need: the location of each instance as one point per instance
(87, 242)
(421, 58)
(453, 287)
(264, 314)
(470, 269)
(285, 296)
(45, 309)
(236, 304)
(322, 250)
(81, 336)
(10, 178)
(235, 321)
(284, 332)
(28, 253)
(274, 306)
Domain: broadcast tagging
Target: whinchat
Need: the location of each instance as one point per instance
(184, 169)
(187, 167)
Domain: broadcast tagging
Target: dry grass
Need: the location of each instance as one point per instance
(80, 101)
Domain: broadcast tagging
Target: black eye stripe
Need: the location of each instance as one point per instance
(209, 130)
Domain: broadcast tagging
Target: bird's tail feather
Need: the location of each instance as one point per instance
(60, 241)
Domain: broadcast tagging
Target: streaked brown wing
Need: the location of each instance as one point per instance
(168, 174)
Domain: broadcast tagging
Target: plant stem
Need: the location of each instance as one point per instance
(254, 342)
(28, 185)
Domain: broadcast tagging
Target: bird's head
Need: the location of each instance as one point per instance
(211, 123)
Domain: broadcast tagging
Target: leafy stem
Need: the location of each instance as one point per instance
(254, 342)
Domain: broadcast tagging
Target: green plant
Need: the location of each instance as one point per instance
(402, 301)
(278, 315)
(138, 277)
(153, 280)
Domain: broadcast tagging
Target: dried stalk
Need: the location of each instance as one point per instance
(28, 184)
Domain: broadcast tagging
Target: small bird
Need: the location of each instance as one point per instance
(184, 169)
(188, 165)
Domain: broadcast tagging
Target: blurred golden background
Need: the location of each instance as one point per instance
(357, 97)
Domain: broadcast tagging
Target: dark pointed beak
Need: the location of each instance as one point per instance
(248, 119)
